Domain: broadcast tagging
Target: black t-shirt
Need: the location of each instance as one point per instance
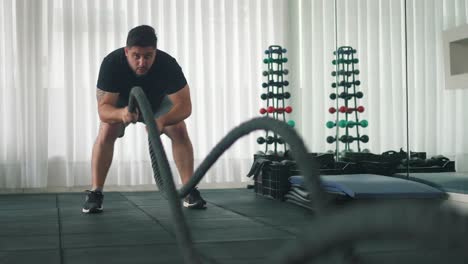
(164, 77)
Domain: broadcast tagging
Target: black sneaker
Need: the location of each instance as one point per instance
(194, 200)
(93, 202)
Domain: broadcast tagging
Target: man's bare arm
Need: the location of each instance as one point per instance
(108, 112)
(181, 109)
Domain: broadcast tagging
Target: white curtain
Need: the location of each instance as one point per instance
(312, 29)
(51, 52)
(23, 95)
(376, 29)
(438, 117)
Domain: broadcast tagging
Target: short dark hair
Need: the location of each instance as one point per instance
(143, 36)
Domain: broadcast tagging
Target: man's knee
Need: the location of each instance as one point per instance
(177, 132)
(108, 133)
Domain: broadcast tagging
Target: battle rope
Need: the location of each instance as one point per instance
(163, 174)
(425, 222)
(421, 221)
(161, 169)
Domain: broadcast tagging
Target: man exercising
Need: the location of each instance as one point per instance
(140, 63)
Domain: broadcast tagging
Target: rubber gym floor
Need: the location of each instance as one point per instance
(136, 227)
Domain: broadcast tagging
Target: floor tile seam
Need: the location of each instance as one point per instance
(57, 204)
(24, 208)
(151, 216)
(122, 246)
(29, 222)
(125, 198)
(271, 214)
(22, 236)
(69, 204)
(85, 247)
(163, 228)
(152, 206)
(143, 197)
(143, 194)
(244, 240)
(383, 251)
(13, 235)
(28, 203)
(106, 205)
(214, 219)
(239, 228)
(142, 221)
(28, 250)
(112, 232)
(165, 219)
(256, 220)
(244, 227)
(34, 209)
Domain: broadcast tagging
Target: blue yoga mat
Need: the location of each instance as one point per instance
(365, 186)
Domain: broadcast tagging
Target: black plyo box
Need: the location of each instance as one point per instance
(273, 180)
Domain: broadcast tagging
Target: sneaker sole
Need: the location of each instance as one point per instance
(92, 211)
(195, 205)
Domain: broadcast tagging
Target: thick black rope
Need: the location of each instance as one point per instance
(423, 222)
(163, 175)
(298, 152)
(297, 149)
(157, 174)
